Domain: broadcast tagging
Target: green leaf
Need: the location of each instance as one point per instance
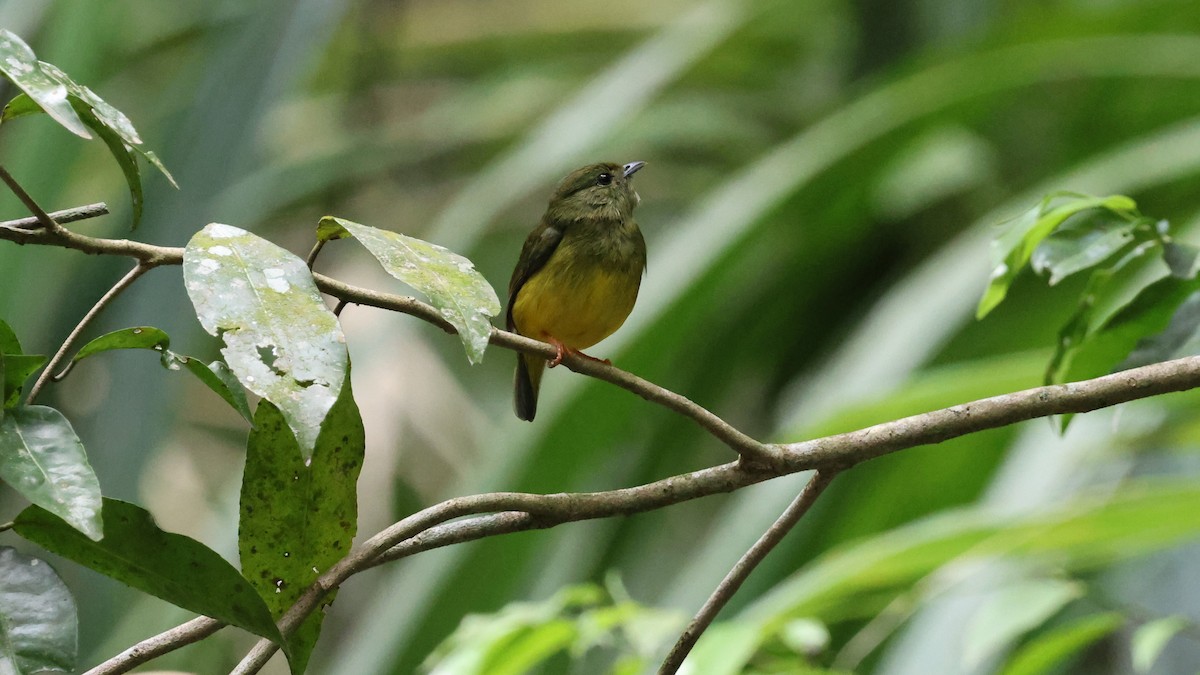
(40, 82)
(8, 340)
(1148, 313)
(1078, 246)
(170, 566)
(450, 281)
(280, 338)
(1048, 649)
(1009, 612)
(38, 624)
(299, 517)
(1013, 249)
(1150, 640)
(77, 108)
(20, 106)
(17, 370)
(43, 460)
(140, 337)
(215, 376)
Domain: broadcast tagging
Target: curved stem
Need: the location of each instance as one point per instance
(48, 372)
(733, 581)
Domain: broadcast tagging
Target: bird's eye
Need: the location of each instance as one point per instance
(604, 179)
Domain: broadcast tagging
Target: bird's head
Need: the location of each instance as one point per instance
(596, 192)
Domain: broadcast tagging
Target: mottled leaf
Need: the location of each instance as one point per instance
(1012, 250)
(43, 460)
(1010, 611)
(38, 623)
(77, 108)
(280, 338)
(1052, 647)
(136, 552)
(42, 84)
(299, 517)
(450, 281)
(1150, 640)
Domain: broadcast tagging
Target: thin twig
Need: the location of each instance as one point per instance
(47, 373)
(5, 527)
(61, 217)
(34, 208)
(151, 648)
(737, 576)
(312, 255)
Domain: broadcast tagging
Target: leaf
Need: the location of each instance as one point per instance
(170, 566)
(77, 108)
(140, 337)
(450, 281)
(1072, 249)
(43, 460)
(17, 369)
(1009, 612)
(1150, 640)
(299, 517)
(1182, 259)
(1048, 649)
(1013, 249)
(8, 340)
(19, 64)
(281, 340)
(38, 623)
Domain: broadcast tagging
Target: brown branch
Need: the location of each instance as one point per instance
(741, 571)
(47, 373)
(61, 217)
(151, 648)
(29, 202)
(498, 513)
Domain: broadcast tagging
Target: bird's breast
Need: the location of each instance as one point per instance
(576, 299)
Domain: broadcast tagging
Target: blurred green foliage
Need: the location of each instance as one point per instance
(823, 179)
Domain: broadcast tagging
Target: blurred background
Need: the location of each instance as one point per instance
(823, 178)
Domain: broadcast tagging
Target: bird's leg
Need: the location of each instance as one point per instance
(560, 352)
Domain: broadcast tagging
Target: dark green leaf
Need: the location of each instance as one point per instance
(17, 369)
(38, 624)
(1047, 650)
(43, 460)
(217, 377)
(1013, 249)
(280, 338)
(8, 340)
(40, 82)
(173, 567)
(121, 152)
(450, 281)
(20, 106)
(299, 517)
(140, 337)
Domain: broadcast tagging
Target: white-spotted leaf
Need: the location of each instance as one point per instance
(450, 281)
(280, 338)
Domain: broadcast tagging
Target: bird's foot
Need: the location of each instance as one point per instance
(560, 353)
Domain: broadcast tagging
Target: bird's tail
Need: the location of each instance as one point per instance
(525, 385)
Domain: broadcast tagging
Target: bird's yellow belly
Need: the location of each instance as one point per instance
(578, 311)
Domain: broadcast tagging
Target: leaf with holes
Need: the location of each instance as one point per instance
(43, 460)
(280, 338)
(38, 623)
(299, 517)
(450, 281)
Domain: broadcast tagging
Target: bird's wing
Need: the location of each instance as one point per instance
(539, 246)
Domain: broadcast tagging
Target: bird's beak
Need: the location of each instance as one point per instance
(632, 168)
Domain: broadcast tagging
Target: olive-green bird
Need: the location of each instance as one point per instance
(579, 271)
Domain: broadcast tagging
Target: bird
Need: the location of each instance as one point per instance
(579, 272)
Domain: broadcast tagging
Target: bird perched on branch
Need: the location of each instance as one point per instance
(579, 271)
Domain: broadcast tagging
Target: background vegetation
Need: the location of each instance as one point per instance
(823, 178)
